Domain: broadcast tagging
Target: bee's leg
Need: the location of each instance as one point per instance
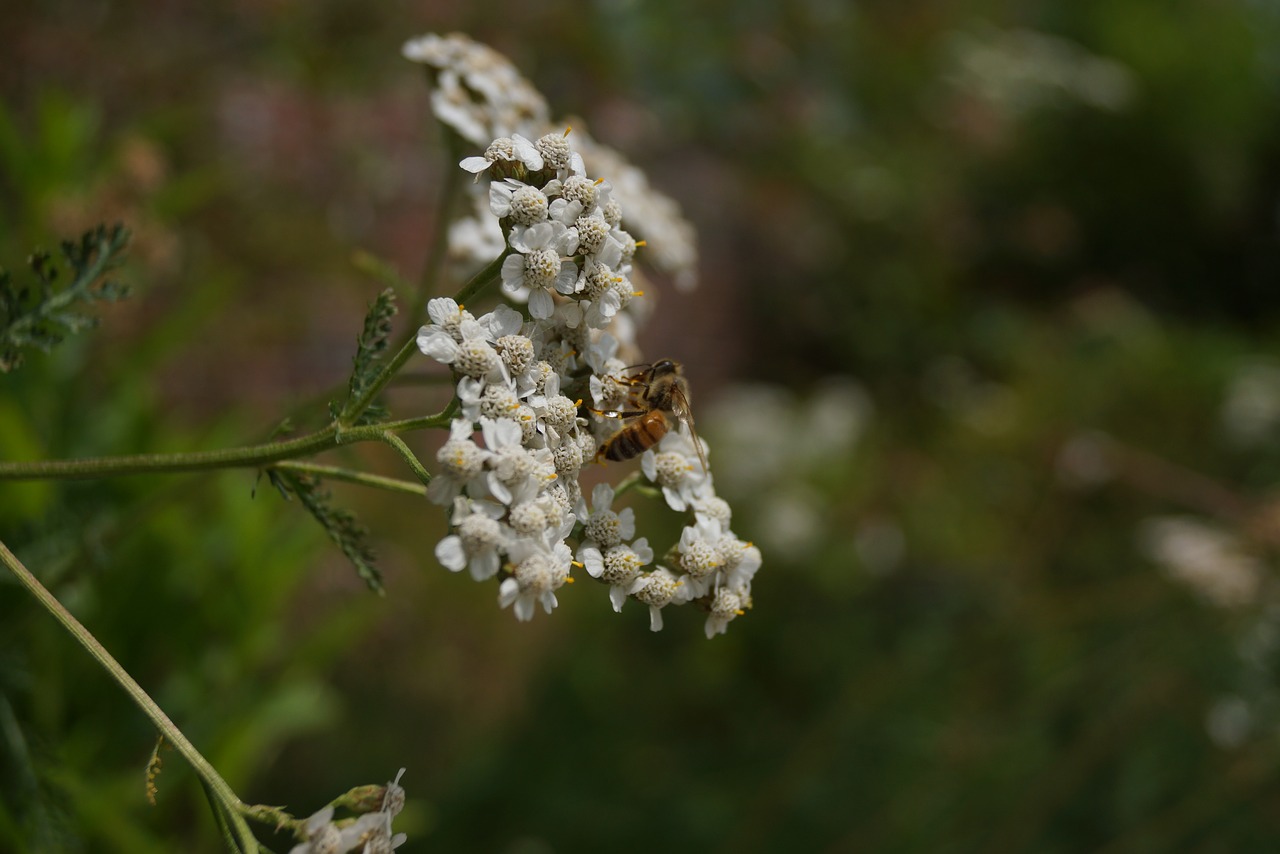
(613, 413)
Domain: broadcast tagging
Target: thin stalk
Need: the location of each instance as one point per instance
(429, 280)
(220, 792)
(415, 465)
(254, 456)
(477, 283)
(472, 288)
(390, 484)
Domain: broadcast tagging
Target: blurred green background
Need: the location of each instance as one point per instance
(985, 346)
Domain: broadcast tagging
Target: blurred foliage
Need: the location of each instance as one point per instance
(1004, 276)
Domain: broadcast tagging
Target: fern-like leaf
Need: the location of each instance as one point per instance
(370, 347)
(342, 527)
(43, 316)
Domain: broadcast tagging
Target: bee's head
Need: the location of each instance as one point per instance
(664, 367)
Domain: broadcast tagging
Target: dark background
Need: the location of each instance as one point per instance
(985, 348)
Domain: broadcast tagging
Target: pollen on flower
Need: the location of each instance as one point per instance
(579, 189)
(671, 468)
(460, 458)
(498, 401)
(699, 560)
(528, 206)
(604, 527)
(476, 358)
(541, 267)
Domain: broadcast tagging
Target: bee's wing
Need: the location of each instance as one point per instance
(680, 406)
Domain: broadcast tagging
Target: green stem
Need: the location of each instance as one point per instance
(481, 280)
(440, 232)
(351, 476)
(254, 455)
(409, 457)
(360, 404)
(441, 419)
(474, 286)
(220, 792)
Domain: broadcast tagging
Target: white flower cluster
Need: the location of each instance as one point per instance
(510, 470)
(481, 96)
(369, 833)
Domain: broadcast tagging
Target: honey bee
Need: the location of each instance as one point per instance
(662, 401)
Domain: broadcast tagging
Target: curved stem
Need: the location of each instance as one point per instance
(254, 455)
(251, 456)
(409, 457)
(481, 280)
(439, 237)
(390, 484)
(474, 286)
(441, 419)
(218, 789)
(389, 370)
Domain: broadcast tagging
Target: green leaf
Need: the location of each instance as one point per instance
(371, 346)
(342, 527)
(42, 316)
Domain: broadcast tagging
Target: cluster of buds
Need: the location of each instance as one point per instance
(542, 385)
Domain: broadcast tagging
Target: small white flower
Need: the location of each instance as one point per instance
(506, 156)
(320, 835)
(540, 264)
(478, 542)
(523, 204)
(513, 470)
(709, 507)
(699, 556)
(461, 464)
(739, 562)
(538, 572)
(674, 466)
(618, 566)
(726, 605)
(393, 798)
(603, 527)
(468, 352)
(657, 589)
(558, 155)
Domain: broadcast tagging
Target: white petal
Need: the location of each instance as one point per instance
(592, 560)
(525, 151)
(513, 273)
(617, 595)
(524, 608)
(507, 592)
(485, 565)
(567, 279)
(626, 522)
(474, 164)
(438, 344)
(541, 306)
(442, 309)
(655, 619)
(450, 553)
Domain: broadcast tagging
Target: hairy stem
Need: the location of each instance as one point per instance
(225, 800)
(390, 484)
(415, 465)
(474, 286)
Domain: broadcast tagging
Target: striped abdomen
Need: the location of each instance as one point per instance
(637, 436)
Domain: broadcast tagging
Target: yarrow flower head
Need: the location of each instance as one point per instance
(545, 380)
